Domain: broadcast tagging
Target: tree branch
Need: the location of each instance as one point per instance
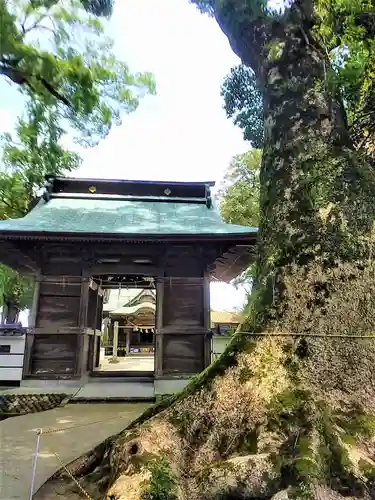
(35, 24)
(47, 28)
(13, 208)
(248, 32)
(14, 75)
(23, 22)
(22, 78)
(367, 21)
(365, 114)
(54, 92)
(364, 19)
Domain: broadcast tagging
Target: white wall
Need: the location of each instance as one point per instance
(219, 344)
(24, 316)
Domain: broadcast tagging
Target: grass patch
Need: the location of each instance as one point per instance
(162, 483)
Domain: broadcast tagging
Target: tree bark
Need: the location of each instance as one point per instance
(288, 411)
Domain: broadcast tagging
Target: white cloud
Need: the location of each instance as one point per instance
(224, 297)
(7, 120)
(182, 133)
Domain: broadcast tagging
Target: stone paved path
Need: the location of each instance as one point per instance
(18, 439)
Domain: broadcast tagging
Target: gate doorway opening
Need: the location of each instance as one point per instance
(126, 344)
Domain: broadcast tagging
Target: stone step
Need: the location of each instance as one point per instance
(121, 379)
(116, 390)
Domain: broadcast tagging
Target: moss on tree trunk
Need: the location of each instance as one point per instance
(291, 414)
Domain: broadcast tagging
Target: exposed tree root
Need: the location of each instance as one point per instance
(289, 417)
(275, 418)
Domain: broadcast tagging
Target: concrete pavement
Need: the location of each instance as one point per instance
(117, 388)
(131, 362)
(18, 440)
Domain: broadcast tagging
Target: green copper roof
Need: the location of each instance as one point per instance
(122, 217)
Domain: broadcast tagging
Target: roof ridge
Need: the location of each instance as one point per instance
(105, 188)
(51, 178)
(129, 197)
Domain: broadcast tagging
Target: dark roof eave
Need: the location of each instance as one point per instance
(129, 181)
(249, 237)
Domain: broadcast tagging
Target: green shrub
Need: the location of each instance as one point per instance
(162, 484)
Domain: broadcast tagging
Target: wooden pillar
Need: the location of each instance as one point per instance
(115, 342)
(158, 355)
(84, 300)
(85, 343)
(207, 320)
(105, 333)
(99, 312)
(34, 306)
(127, 334)
(32, 323)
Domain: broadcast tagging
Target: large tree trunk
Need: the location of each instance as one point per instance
(287, 412)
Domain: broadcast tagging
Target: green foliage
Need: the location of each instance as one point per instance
(258, 8)
(292, 415)
(313, 451)
(98, 7)
(231, 331)
(356, 423)
(338, 463)
(346, 29)
(368, 471)
(162, 484)
(239, 197)
(95, 7)
(58, 53)
(15, 289)
(240, 194)
(205, 6)
(290, 406)
(243, 101)
(28, 155)
(36, 150)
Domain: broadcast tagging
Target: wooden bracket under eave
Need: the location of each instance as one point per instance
(13, 257)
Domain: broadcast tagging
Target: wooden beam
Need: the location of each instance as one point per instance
(59, 330)
(158, 357)
(15, 258)
(123, 269)
(233, 261)
(28, 355)
(34, 307)
(85, 287)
